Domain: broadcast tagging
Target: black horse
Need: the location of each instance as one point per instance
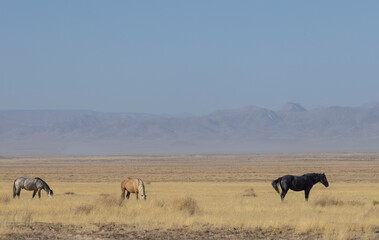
(299, 183)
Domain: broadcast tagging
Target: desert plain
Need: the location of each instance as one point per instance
(192, 197)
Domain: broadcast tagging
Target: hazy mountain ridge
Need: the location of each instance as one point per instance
(246, 130)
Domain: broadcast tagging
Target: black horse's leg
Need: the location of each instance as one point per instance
(127, 194)
(34, 193)
(307, 193)
(284, 188)
(283, 194)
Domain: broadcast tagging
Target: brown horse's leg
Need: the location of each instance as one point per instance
(137, 195)
(127, 194)
(122, 193)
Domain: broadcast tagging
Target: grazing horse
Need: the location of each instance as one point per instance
(299, 183)
(132, 185)
(31, 184)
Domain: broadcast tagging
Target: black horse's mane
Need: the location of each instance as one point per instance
(312, 174)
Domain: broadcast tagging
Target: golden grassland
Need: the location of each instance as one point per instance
(217, 191)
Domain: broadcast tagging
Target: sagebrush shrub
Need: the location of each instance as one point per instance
(186, 204)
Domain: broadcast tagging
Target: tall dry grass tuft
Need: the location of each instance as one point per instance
(250, 193)
(186, 204)
(159, 203)
(355, 203)
(328, 201)
(27, 218)
(108, 200)
(84, 209)
(4, 199)
(4, 228)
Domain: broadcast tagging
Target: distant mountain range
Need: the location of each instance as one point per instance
(238, 131)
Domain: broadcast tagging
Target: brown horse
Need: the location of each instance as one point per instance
(132, 185)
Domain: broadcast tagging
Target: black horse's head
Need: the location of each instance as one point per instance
(323, 179)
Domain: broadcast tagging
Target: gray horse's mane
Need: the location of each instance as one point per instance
(43, 182)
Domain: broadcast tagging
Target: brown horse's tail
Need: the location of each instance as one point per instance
(275, 184)
(122, 185)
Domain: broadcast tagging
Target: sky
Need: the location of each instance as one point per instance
(171, 57)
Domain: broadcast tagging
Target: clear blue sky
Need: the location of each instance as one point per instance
(169, 57)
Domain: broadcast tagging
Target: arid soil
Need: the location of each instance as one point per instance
(116, 231)
(70, 178)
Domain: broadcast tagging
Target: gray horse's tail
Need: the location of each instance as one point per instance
(14, 188)
(275, 184)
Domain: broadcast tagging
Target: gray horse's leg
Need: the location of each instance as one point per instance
(34, 193)
(15, 193)
(18, 193)
(39, 193)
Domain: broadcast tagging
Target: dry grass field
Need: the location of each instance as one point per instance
(192, 197)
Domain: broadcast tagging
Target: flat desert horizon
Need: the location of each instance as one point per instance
(192, 197)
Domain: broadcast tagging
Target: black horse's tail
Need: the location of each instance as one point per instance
(275, 184)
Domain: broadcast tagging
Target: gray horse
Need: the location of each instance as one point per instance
(31, 184)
